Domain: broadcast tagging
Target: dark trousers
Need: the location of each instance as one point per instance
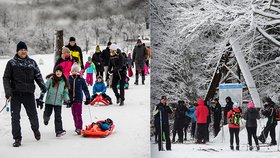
(201, 132)
(271, 129)
(166, 131)
(28, 102)
(99, 73)
(252, 132)
(116, 79)
(137, 75)
(104, 96)
(234, 132)
(57, 116)
(193, 129)
(216, 126)
(178, 127)
(186, 126)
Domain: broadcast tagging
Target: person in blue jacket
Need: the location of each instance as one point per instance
(100, 88)
(191, 113)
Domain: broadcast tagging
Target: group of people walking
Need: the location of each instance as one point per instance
(65, 85)
(198, 115)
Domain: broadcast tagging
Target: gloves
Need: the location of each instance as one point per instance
(68, 104)
(87, 102)
(39, 103)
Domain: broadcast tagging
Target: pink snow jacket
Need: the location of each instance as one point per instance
(66, 65)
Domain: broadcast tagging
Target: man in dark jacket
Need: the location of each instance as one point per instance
(118, 70)
(161, 112)
(139, 57)
(106, 58)
(75, 51)
(98, 62)
(217, 113)
(180, 119)
(227, 108)
(269, 111)
(18, 79)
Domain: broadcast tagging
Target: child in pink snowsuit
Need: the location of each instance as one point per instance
(90, 69)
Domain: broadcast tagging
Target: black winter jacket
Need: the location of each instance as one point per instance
(165, 110)
(20, 74)
(117, 65)
(76, 48)
(76, 92)
(251, 116)
(106, 56)
(217, 112)
(98, 61)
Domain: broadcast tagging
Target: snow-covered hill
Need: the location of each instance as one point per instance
(130, 139)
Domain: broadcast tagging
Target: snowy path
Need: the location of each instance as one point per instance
(130, 138)
(220, 146)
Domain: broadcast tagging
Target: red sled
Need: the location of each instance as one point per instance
(95, 131)
(99, 99)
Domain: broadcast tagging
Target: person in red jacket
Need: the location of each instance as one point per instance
(201, 114)
(234, 116)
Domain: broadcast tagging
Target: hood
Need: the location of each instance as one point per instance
(200, 102)
(236, 110)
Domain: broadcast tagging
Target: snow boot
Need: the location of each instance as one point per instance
(121, 102)
(231, 147)
(272, 143)
(37, 135)
(136, 82)
(261, 139)
(118, 100)
(60, 133)
(250, 148)
(78, 131)
(237, 147)
(258, 147)
(17, 143)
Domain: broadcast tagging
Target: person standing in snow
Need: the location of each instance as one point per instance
(90, 69)
(251, 116)
(19, 76)
(234, 116)
(106, 58)
(57, 91)
(227, 108)
(76, 52)
(77, 87)
(139, 57)
(179, 121)
(65, 61)
(201, 113)
(217, 114)
(98, 61)
(117, 69)
(269, 111)
(162, 110)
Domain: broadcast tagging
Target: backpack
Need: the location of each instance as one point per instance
(235, 118)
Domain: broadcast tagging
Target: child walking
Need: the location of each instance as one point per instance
(90, 69)
(57, 90)
(77, 87)
(234, 116)
(251, 116)
(100, 88)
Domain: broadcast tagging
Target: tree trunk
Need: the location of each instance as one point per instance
(58, 44)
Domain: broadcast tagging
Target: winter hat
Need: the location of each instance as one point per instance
(109, 43)
(200, 101)
(251, 104)
(21, 45)
(97, 49)
(139, 41)
(235, 105)
(60, 68)
(89, 58)
(75, 67)
(113, 47)
(72, 39)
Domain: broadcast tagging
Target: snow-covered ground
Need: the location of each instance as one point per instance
(220, 146)
(130, 139)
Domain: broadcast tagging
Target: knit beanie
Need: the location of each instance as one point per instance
(251, 104)
(75, 67)
(89, 58)
(60, 68)
(72, 39)
(21, 45)
(113, 47)
(97, 49)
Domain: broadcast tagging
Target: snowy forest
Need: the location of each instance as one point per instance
(94, 21)
(189, 36)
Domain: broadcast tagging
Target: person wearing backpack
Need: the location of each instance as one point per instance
(217, 112)
(179, 120)
(269, 111)
(251, 116)
(234, 116)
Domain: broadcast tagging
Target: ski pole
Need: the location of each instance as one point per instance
(6, 103)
